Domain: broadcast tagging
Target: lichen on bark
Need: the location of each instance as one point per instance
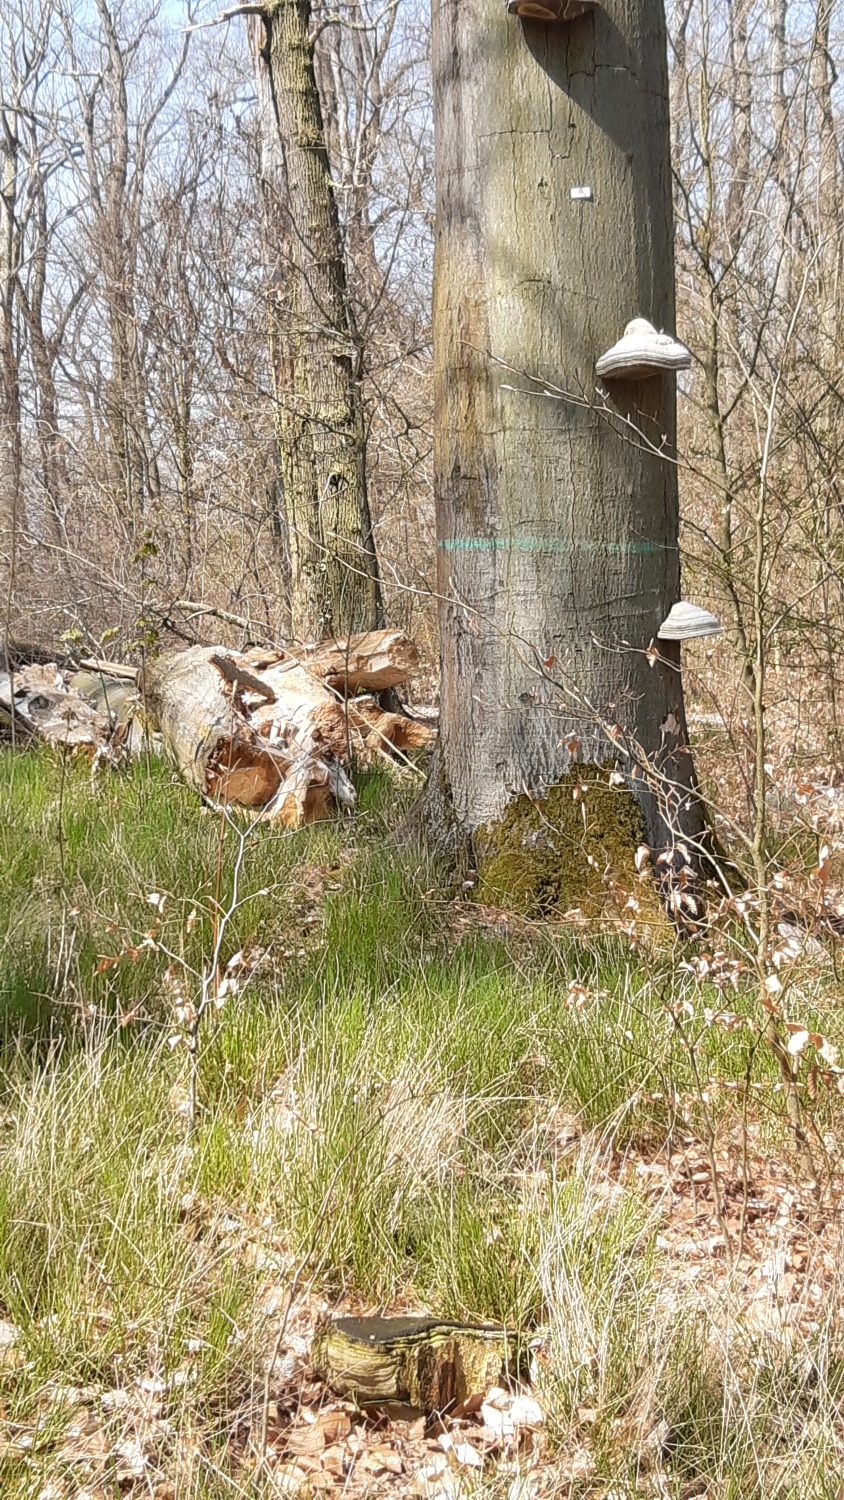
(573, 849)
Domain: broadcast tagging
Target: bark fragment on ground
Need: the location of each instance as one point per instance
(35, 703)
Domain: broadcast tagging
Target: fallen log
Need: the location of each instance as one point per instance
(381, 731)
(261, 729)
(370, 662)
(113, 696)
(280, 757)
(117, 699)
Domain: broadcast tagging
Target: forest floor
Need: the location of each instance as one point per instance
(398, 1102)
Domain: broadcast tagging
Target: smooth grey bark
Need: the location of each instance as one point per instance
(557, 522)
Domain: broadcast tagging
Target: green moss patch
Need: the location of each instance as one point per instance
(573, 848)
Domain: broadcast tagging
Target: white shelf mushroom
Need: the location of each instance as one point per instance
(642, 352)
(686, 622)
(549, 10)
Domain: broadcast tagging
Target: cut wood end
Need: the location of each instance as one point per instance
(381, 730)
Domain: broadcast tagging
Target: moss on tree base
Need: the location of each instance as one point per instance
(575, 848)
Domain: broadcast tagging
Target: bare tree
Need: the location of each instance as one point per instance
(118, 113)
(23, 43)
(316, 349)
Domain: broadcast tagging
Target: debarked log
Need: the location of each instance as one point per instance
(285, 764)
(369, 663)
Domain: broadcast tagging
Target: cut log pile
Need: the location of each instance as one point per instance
(271, 731)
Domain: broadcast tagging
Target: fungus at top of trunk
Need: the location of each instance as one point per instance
(686, 622)
(549, 10)
(641, 352)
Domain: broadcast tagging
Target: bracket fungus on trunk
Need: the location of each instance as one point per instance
(549, 10)
(641, 353)
(688, 622)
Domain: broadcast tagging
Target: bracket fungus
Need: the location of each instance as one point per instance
(549, 10)
(687, 622)
(641, 353)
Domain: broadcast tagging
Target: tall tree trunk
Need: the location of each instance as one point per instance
(44, 352)
(10, 408)
(557, 524)
(828, 197)
(321, 420)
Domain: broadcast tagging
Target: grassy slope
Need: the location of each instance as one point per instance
(393, 1115)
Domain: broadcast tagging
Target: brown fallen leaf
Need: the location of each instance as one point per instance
(321, 1480)
(461, 1454)
(578, 1465)
(334, 1460)
(11, 1355)
(380, 1460)
(467, 1408)
(329, 1427)
(289, 1479)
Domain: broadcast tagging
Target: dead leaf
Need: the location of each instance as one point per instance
(461, 1453)
(380, 1460)
(526, 1413)
(131, 1459)
(11, 1354)
(423, 1481)
(289, 1479)
(821, 874)
(578, 1465)
(329, 1427)
(468, 1408)
(505, 1415)
(334, 1461)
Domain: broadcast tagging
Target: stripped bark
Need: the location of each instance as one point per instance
(34, 703)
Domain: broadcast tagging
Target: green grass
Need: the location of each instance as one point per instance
(388, 1115)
